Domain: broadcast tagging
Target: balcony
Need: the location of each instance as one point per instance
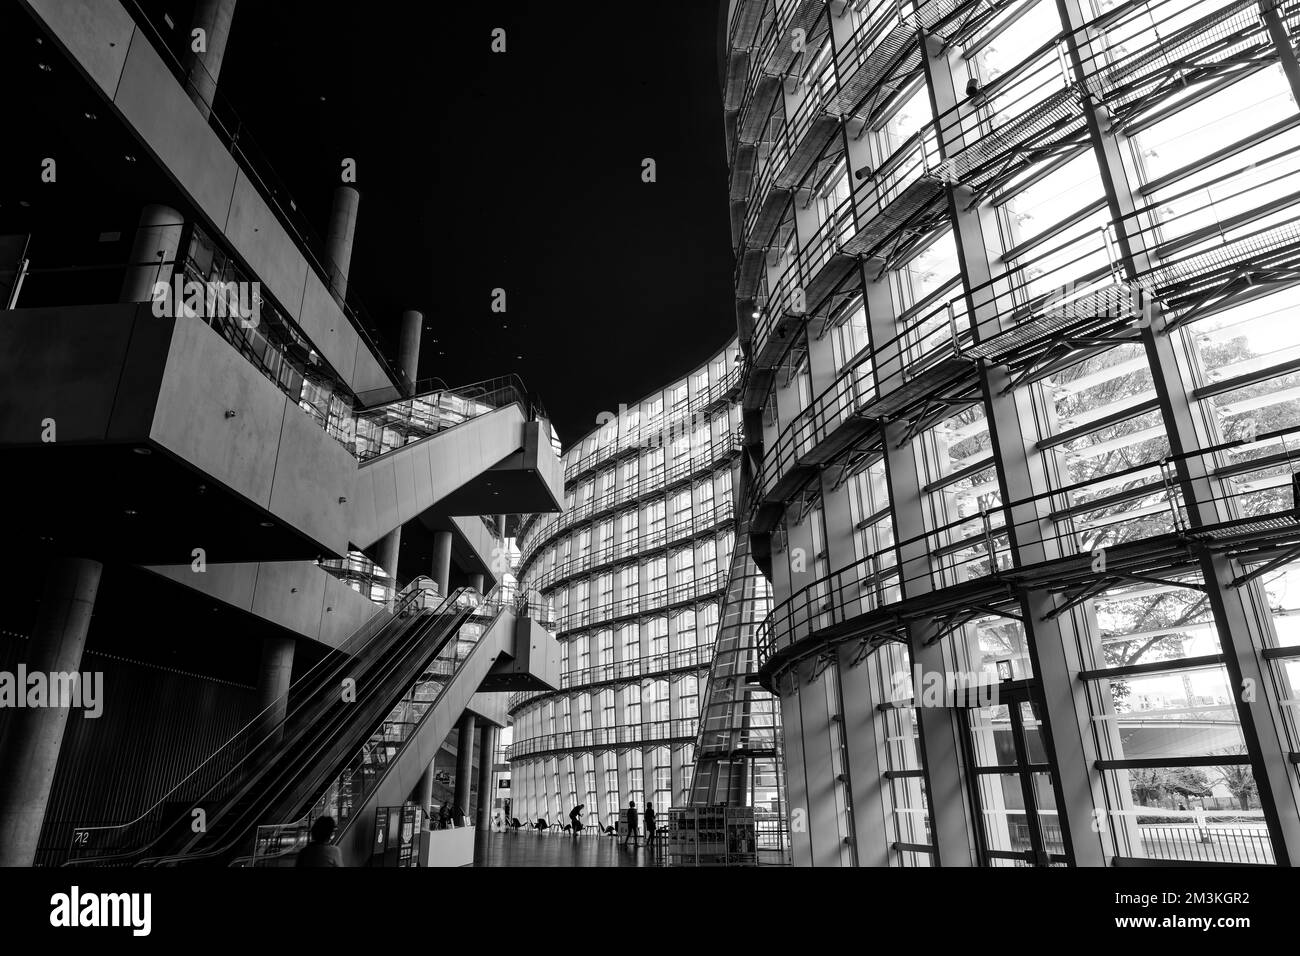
(651, 485)
(681, 730)
(621, 672)
(638, 547)
(969, 570)
(652, 602)
(152, 417)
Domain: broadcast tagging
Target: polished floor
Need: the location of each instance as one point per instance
(530, 848)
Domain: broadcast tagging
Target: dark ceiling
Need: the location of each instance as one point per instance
(519, 171)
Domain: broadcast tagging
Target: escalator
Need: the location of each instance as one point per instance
(385, 770)
(388, 421)
(465, 451)
(277, 768)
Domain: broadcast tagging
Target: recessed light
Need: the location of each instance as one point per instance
(45, 67)
(128, 157)
(143, 451)
(267, 524)
(89, 115)
(129, 513)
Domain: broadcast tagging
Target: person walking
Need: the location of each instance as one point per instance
(632, 833)
(650, 826)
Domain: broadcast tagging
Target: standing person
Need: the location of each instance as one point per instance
(632, 833)
(319, 852)
(650, 826)
(444, 815)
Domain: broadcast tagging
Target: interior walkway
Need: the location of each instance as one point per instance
(530, 848)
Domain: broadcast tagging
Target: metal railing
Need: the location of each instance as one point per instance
(679, 730)
(654, 665)
(544, 529)
(1125, 506)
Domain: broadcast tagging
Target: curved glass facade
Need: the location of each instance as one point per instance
(1015, 288)
(631, 576)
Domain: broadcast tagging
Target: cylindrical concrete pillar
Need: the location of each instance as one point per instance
(424, 789)
(338, 241)
(274, 676)
(213, 18)
(35, 734)
(464, 760)
(487, 748)
(389, 547)
(476, 582)
(153, 253)
(408, 344)
(442, 561)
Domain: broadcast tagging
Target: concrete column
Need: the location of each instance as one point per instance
(476, 582)
(408, 354)
(213, 18)
(338, 241)
(153, 253)
(388, 553)
(424, 789)
(442, 561)
(487, 746)
(464, 760)
(408, 346)
(35, 735)
(273, 679)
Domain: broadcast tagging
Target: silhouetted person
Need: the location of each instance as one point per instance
(650, 826)
(632, 833)
(444, 816)
(574, 818)
(319, 852)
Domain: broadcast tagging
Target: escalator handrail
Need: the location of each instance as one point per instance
(350, 648)
(326, 732)
(433, 704)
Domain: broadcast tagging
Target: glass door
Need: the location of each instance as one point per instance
(1015, 781)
